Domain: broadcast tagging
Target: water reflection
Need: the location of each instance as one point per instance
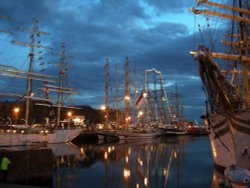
(183, 161)
(164, 162)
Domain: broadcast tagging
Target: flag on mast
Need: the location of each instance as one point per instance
(139, 101)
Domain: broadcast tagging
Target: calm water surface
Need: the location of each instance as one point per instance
(184, 161)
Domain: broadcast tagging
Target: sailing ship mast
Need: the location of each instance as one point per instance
(116, 95)
(107, 91)
(177, 98)
(33, 43)
(126, 94)
(61, 89)
(158, 110)
(243, 41)
(60, 83)
(135, 93)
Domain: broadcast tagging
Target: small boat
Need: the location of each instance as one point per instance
(238, 177)
(197, 130)
(144, 133)
(173, 130)
(106, 134)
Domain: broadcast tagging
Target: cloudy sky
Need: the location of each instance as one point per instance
(152, 34)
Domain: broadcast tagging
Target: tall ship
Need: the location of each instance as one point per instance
(225, 78)
(30, 132)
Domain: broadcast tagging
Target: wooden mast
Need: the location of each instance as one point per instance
(126, 94)
(116, 95)
(244, 35)
(34, 32)
(107, 92)
(243, 57)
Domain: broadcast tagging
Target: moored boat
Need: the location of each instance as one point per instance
(197, 129)
(227, 91)
(143, 133)
(173, 130)
(24, 136)
(48, 132)
(238, 177)
(109, 134)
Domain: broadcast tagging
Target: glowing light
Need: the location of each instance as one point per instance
(128, 118)
(127, 98)
(213, 149)
(69, 113)
(100, 126)
(126, 173)
(105, 155)
(109, 149)
(103, 107)
(175, 154)
(140, 161)
(145, 95)
(16, 110)
(77, 120)
(126, 159)
(165, 171)
(140, 113)
(145, 181)
(192, 52)
(129, 151)
(82, 151)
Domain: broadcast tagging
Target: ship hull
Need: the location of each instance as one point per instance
(240, 130)
(20, 139)
(230, 145)
(131, 134)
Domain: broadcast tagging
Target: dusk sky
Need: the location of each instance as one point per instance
(152, 34)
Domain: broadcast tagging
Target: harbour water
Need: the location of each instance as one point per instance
(184, 161)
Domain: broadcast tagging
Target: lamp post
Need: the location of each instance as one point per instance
(69, 114)
(104, 109)
(16, 112)
(127, 110)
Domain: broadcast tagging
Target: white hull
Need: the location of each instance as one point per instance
(240, 129)
(230, 146)
(57, 136)
(131, 134)
(106, 134)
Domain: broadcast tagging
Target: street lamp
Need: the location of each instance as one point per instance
(103, 107)
(16, 112)
(140, 113)
(69, 114)
(127, 98)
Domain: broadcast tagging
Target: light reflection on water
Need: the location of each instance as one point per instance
(183, 161)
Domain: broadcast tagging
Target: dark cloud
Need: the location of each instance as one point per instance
(114, 29)
(162, 6)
